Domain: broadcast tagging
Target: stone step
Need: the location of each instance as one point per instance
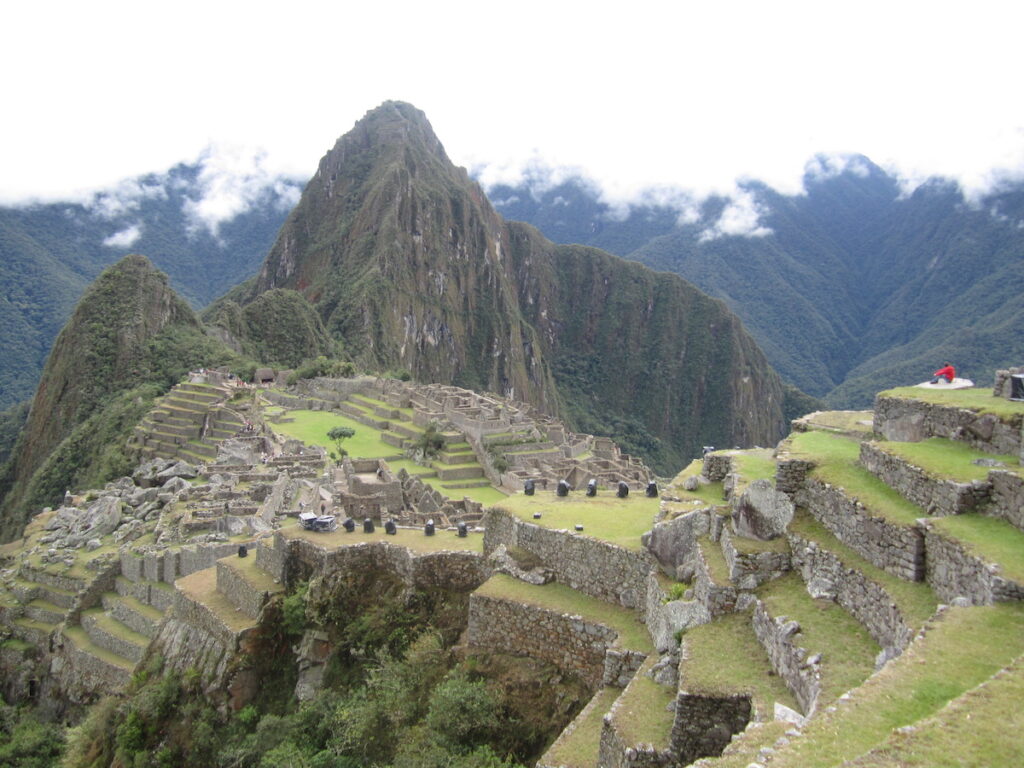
(245, 584)
(108, 669)
(45, 612)
(133, 613)
(158, 416)
(27, 591)
(890, 608)
(113, 635)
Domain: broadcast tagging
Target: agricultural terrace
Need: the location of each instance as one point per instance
(311, 427)
(977, 399)
(605, 516)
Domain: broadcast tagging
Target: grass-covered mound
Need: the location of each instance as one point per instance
(605, 516)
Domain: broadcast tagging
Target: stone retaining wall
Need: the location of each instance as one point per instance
(717, 599)
(1007, 497)
(110, 641)
(896, 549)
(716, 466)
(79, 674)
(749, 569)
(569, 642)
(936, 496)
(704, 725)
(790, 474)
(594, 567)
(905, 420)
(799, 671)
(615, 752)
(954, 573)
(867, 601)
(237, 589)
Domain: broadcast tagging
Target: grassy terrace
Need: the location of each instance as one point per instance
(562, 599)
(81, 640)
(947, 458)
(710, 493)
(605, 516)
(412, 539)
(977, 399)
(971, 731)
(842, 421)
(718, 569)
(753, 464)
(201, 587)
(848, 651)
(989, 538)
(836, 457)
(641, 715)
(962, 649)
(916, 601)
(311, 427)
(580, 748)
(724, 657)
(257, 577)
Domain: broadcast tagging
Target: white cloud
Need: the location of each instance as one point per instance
(740, 217)
(125, 238)
(124, 197)
(232, 180)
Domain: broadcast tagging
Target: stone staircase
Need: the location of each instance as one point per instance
(189, 422)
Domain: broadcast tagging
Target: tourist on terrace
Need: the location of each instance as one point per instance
(947, 372)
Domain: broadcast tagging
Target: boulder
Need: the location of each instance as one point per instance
(762, 512)
(179, 469)
(100, 519)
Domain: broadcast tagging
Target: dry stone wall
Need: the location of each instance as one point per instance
(867, 601)
(704, 725)
(664, 617)
(800, 671)
(913, 420)
(749, 569)
(594, 567)
(569, 642)
(1007, 496)
(937, 496)
(954, 573)
(896, 549)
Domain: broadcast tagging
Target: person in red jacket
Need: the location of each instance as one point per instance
(947, 372)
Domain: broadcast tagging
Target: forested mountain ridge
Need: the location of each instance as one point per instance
(409, 266)
(49, 253)
(855, 287)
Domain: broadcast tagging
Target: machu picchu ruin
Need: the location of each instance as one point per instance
(758, 611)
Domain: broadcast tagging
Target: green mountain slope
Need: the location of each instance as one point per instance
(409, 266)
(130, 338)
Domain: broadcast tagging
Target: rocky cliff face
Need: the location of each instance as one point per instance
(407, 263)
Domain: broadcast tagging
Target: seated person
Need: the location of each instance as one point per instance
(947, 372)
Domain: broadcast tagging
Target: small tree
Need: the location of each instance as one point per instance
(339, 435)
(430, 443)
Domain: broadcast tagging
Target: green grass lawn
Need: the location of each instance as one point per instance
(990, 538)
(848, 651)
(915, 600)
(977, 399)
(947, 458)
(605, 516)
(562, 599)
(724, 657)
(710, 493)
(962, 649)
(836, 457)
(311, 427)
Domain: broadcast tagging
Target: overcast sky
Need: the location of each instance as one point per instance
(690, 94)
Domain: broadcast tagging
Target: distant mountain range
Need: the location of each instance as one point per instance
(849, 288)
(49, 253)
